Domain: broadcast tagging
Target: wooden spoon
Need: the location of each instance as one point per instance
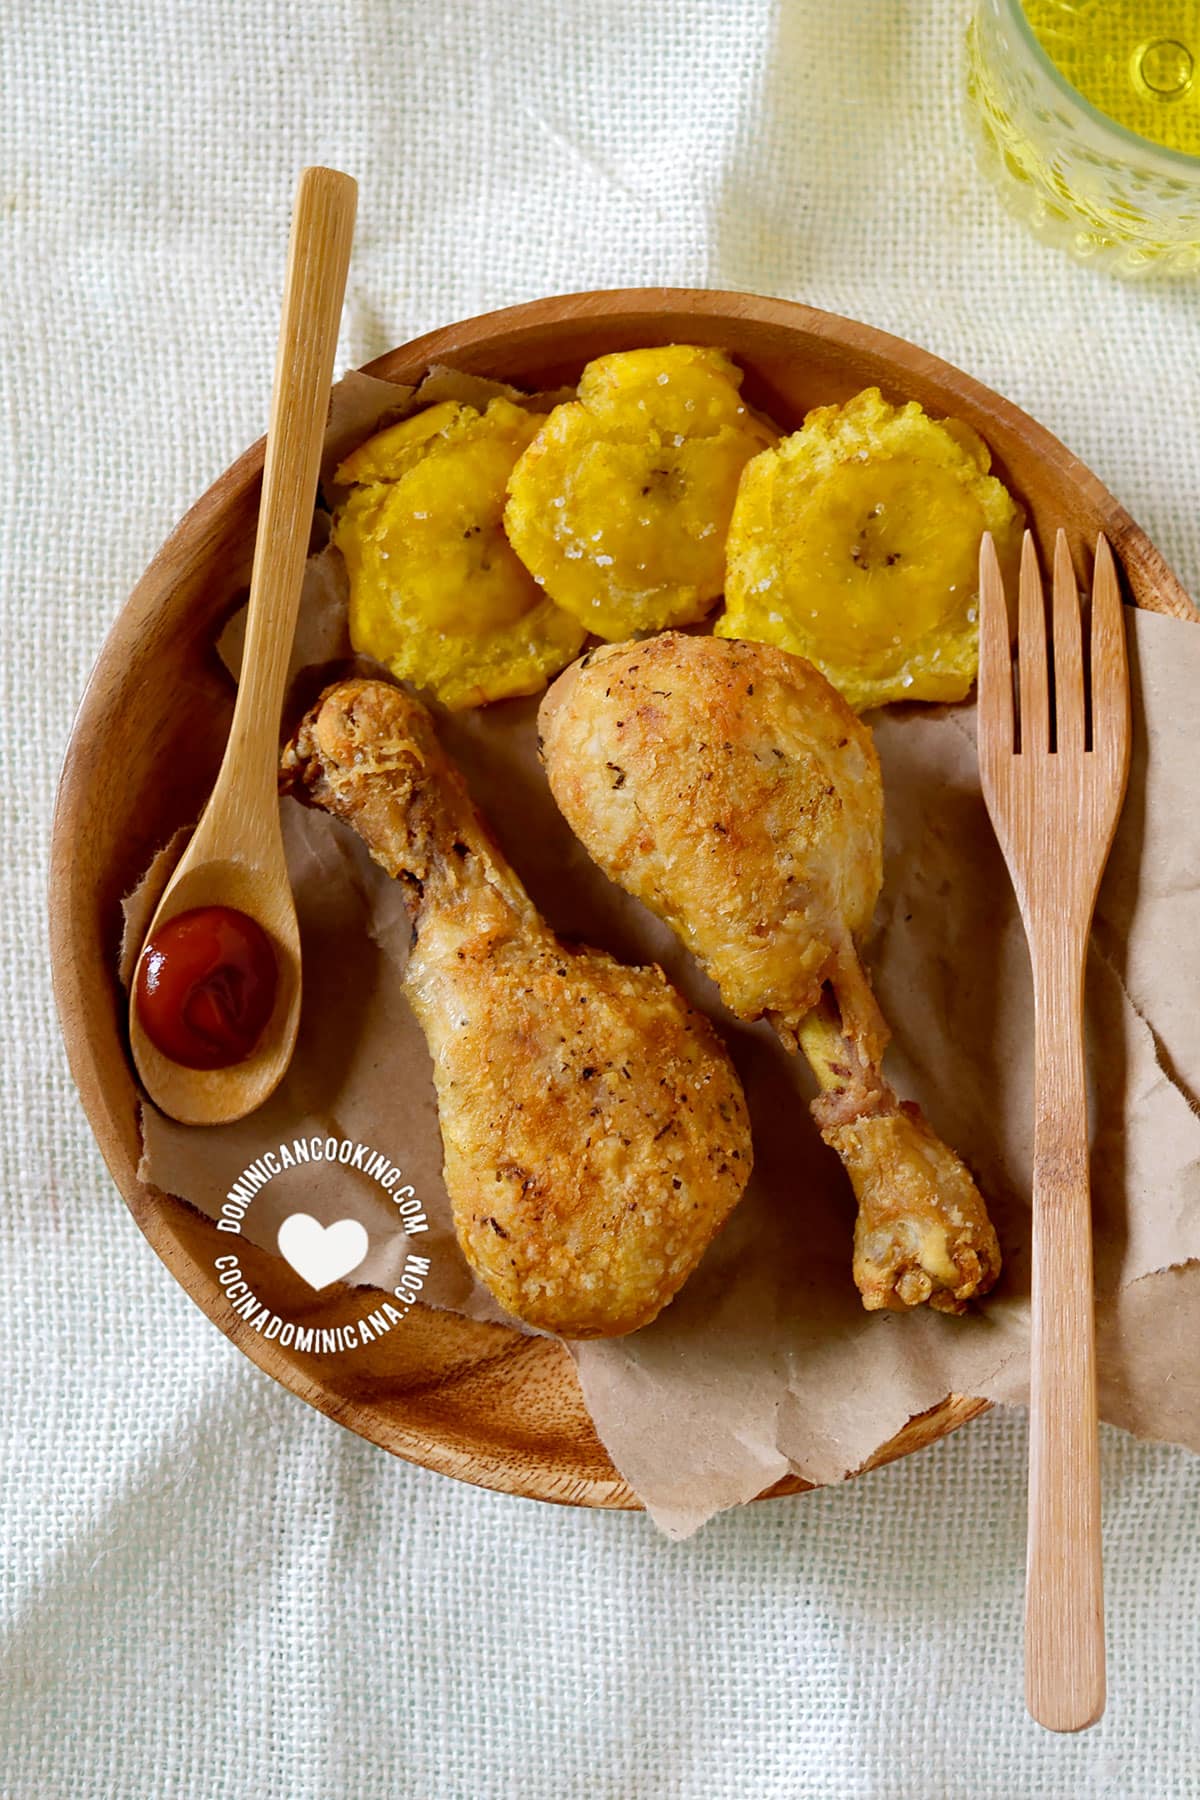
(235, 857)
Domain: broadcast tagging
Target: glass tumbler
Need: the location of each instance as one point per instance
(1086, 116)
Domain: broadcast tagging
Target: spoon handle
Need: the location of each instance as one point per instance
(318, 261)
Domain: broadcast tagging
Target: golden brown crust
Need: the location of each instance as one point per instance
(732, 790)
(595, 1132)
(743, 806)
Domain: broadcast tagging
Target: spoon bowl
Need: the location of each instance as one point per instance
(260, 889)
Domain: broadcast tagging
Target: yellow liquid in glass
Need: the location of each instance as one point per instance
(1136, 60)
(1128, 203)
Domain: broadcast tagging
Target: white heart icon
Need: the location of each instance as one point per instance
(321, 1254)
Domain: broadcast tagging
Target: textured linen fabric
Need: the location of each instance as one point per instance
(208, 1590)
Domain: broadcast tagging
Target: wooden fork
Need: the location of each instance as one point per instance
(1053, 770)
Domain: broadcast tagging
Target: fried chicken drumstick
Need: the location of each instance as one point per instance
(730, 788)
(595, 1132)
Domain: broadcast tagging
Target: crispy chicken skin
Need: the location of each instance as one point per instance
(595, 1132)
(730, 788)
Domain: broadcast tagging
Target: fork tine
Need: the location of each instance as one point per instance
(1068, 654)
(1031, 655)
(1110, 666)
(995, 655)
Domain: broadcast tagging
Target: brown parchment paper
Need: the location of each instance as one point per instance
(766, 1362)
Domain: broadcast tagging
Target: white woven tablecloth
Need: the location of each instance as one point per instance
(208, 1590)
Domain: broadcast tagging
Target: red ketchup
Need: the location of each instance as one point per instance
(206, 987)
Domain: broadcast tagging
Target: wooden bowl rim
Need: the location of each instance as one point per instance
(87, 1032)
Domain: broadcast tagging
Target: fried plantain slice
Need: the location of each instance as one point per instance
(855, 543)
(436, 591)
(620, 505)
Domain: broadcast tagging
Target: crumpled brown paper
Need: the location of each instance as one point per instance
(766, 1362)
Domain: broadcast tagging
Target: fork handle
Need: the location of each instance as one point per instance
(1064, 1599)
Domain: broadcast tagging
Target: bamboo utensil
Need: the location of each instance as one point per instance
(235, 857)
(1053, 763)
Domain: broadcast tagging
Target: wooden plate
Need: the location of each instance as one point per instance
(479, 1402)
